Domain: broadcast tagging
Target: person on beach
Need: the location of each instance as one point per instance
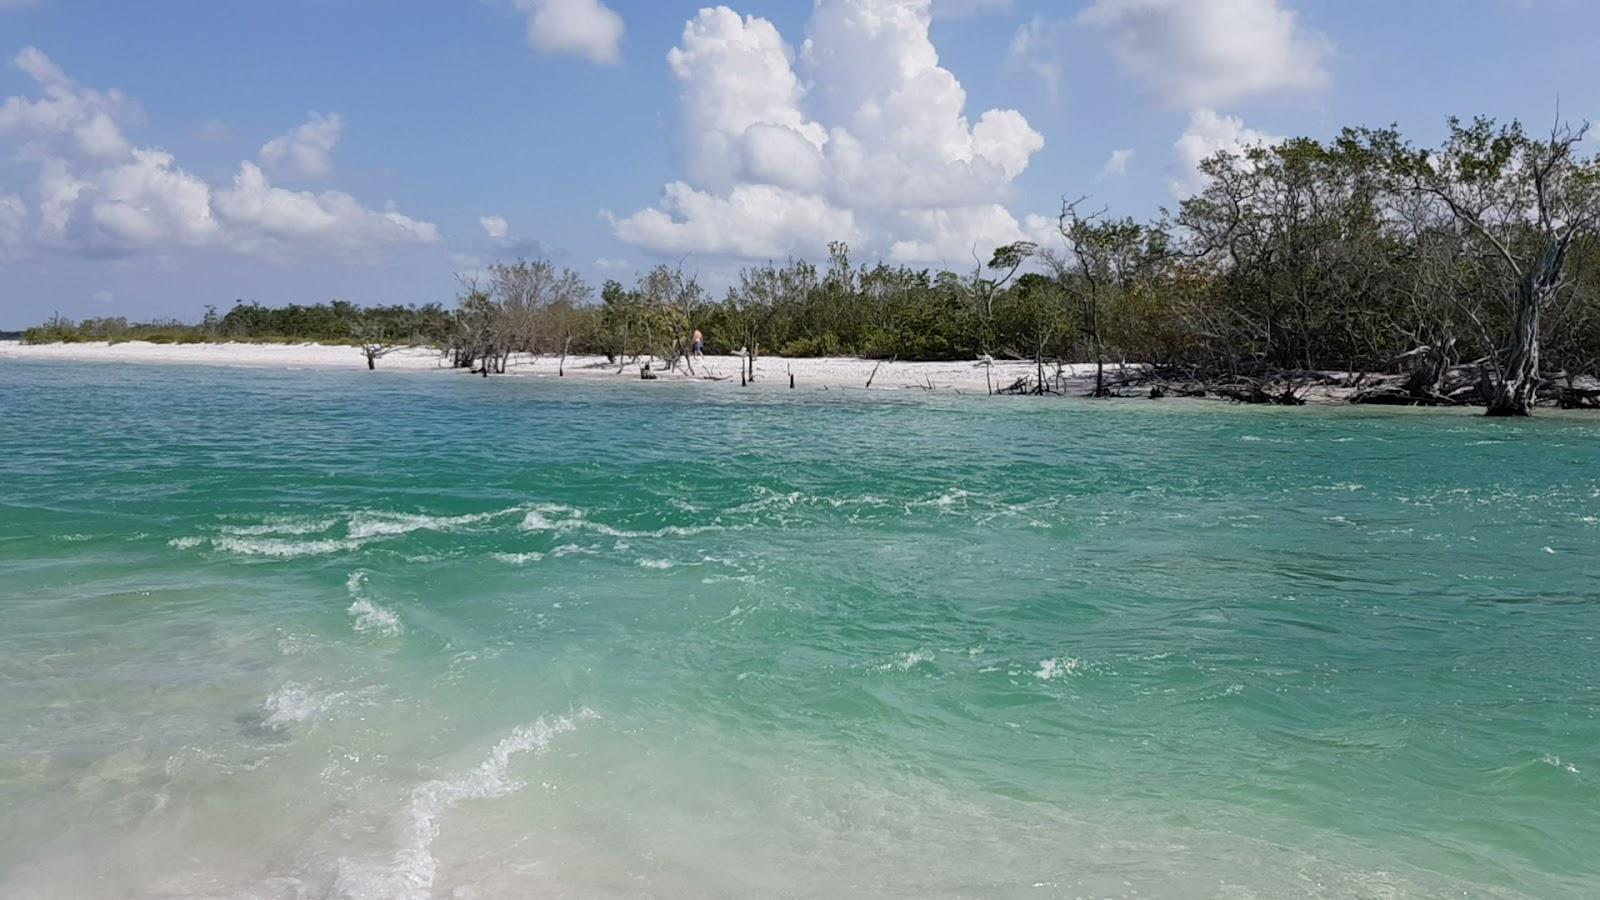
(699, 342)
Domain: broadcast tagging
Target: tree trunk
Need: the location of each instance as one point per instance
(372, 363)
(1515, 391)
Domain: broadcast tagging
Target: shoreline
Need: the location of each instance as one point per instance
(960, 377)
(809, 372)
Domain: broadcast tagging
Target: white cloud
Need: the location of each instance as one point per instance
(13, 219)
(98, 194)
(1037, 49)
(1117, 165)
(270, 221)
(758, 221)
(1207, 135)
(955, 9)
(307, 150)
(873, 146)
(586, 28)
(67, 118)
(495, 227)
(1206, 52)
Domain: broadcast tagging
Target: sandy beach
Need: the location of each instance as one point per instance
(833, 373)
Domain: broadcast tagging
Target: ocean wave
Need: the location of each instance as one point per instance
(413, 869)
(767, 498)
(280, 548)
(368, 615)
(377, 524)
(560, 519)
(516, 559)
(294, 702)
(538, 518)
(281, 526)
(1551, 759)
(285, 537)
(905, 662)
(1058, 667)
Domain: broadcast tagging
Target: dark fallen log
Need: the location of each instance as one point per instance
(1272, 394)
(1026, 386)
(1401, 397)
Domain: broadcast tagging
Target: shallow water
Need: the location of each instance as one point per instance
(303, 635)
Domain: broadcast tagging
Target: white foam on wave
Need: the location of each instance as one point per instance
(276, 537)
(661, 564)
(1551, 759)
(412, 871)
(905, 662)
(280, 548)
(294, 702)
(560, 519)
(538, 518)
(368, 615)
(286, 525)
(377, 524)
(947, 500)
(517, 559)
(1059, 667)
(767, 498)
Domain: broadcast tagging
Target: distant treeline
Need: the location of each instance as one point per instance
(1470, 266)
(335, 322)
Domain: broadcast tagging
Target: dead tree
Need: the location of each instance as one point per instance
(1526, 202)
(373, 341)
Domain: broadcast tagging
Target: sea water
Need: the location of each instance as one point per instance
(275, 634)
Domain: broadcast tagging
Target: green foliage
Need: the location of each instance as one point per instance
(1305, 254)
(333, 323)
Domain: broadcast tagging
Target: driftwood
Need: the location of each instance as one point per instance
(1027, 386)
(1265, 392)
(1427, 384)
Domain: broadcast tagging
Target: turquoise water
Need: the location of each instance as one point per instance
(301, 635)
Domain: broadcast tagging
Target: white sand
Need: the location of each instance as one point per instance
(966, 377)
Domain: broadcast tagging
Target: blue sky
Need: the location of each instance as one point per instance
(158, 156)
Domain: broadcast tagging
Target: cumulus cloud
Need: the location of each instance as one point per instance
(1196, 53)
(306, 151)
(1208, 134)
(98, 194)
(861, 136)
(66, 118)
(495, 227)
(586, 28)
